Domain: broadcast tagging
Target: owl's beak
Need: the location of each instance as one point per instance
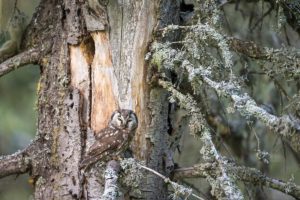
(123, 125)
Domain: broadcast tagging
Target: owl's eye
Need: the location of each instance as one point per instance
(129, 120)
(119, 118)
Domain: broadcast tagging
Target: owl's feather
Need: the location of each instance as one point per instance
(112, 140)
(103, 146)
(88, 160)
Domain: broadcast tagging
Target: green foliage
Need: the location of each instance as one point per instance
(17, 103)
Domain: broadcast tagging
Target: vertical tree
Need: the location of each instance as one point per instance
(92, 61)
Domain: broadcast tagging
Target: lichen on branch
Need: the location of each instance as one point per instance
(193, 62)
(223, 187)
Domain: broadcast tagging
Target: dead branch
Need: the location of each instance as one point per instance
(19, 162)
(133, 169)
(30, 56)
(285, 126)
(178, 188)
(111, 189)
(223, 186)
(245, 174)
(285, 59)
(248, 48)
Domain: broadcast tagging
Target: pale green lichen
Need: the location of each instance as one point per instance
(197, 60)
(283, 61)
(223, 183)
(112, 191)
(132, 175)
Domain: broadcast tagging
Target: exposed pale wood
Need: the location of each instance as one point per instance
(139, 90)
(104, 102)
(132, 24)
(80, 61)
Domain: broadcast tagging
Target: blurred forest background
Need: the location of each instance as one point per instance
(236, 138)
(17, 108)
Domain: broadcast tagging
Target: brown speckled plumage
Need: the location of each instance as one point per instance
(114, 139)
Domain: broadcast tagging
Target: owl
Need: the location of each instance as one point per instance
(114, 139)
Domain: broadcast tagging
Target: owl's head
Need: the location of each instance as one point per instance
(124, 119)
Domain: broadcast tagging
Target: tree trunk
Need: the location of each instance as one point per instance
(95, 65)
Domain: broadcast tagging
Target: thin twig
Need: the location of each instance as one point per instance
(245, 174)
(166, 179)
(198, 126)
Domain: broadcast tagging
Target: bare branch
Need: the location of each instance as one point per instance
(23, 161)
(132, 170)
(30, 56)
(17, 163)
(242, 173)
(196, 171)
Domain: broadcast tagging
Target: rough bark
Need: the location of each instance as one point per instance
(131, 26)
(95, 65)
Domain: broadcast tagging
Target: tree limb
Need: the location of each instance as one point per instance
(30, 56)
(178, 188)
(23, 161)
(285, 126)
(223, 186)
(284, 60)
(242, 173)
(17, 163)
(248, 48)
(111, 189)
(132, 169)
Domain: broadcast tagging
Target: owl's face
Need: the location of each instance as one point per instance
(124, 119)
